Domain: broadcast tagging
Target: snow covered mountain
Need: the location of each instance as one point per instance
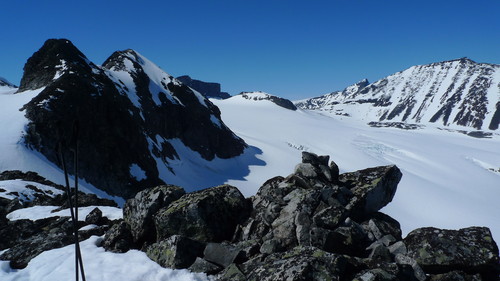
(138, 126)
(458, 94)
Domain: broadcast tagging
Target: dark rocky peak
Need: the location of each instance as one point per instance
(56, 58)
(5, 83)
(208, 89)
(258, 96)
(129, 113)
(127, 60)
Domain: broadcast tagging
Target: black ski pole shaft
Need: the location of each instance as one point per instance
(70, 205)
(75, 136)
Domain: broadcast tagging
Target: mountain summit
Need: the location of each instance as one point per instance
(133, 117)
(456, 93)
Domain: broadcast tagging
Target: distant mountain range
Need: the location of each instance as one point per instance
(458, 93)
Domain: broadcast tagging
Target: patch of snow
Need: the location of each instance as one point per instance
(12, 189)
(59, 265)
(88, 227)
(42, 212)
(215, 121)
(60, 69)
(138, 173)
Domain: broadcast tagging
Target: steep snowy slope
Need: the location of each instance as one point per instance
(450, 180)
(458, 94)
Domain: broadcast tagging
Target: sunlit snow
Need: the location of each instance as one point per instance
(448, 178)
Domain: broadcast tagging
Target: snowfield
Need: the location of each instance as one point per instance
(450, 180)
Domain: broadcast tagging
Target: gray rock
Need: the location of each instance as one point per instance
(455, 276)
(398, 248)
(94, 217)
(375, 275)
(380, 224)
(221, 254)
(471, 249)
(118, 238)
(315, 160)
(406, 260)
(305, 170)
(209, 215)
(380, 252)
(201, 265)
(175, 252)
(300, 263)
(334, 171)
(232, 273)
(138, 212)
(372, 188)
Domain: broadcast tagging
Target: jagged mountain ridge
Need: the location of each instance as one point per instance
(132, 117)
(455, 93)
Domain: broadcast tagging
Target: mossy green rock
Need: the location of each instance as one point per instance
(138, 212)
(175, 252)
(209, 215)
(438, 251)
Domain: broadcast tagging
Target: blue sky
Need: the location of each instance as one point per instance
(294, 49)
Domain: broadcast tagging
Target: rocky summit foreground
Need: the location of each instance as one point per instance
(312, 225)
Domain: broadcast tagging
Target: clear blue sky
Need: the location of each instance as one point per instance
(294, 49)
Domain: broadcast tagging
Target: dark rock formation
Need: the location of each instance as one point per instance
(175, 252)
(121, 106)
(470, 249)
(208, 89)
(274, 99)
(138, 212)
(209, 215)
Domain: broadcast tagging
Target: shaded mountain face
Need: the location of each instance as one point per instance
(208, 89)
(459, 93)
(128, 111)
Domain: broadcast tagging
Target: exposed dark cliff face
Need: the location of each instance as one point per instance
(208, 89)
(451, 93)
(122, 123)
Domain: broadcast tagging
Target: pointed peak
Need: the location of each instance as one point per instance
(53, 59)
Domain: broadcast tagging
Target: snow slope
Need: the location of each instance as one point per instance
(58, 265)
(448, 178)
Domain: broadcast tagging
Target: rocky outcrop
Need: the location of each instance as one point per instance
(24, 239)
(440, 251)
(257, 96)
(208, 89)
(128, 104)
(311, 225)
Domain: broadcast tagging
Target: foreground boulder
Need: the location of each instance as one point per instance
(209, 215)
(138, 212)
(439, 251)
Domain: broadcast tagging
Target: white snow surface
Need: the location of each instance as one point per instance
(447, 181)
(58, 265)
(11, 189)
(42, 212)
